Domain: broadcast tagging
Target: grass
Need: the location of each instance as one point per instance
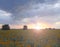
(33, 38)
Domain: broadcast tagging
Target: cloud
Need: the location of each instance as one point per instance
(5, 17)
(32, 11)
(37, 10)
(4, 13)
(57, 23)
(29, 10)
(45, 11)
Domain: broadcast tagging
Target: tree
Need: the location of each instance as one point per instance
(25, 27)
(5, 27)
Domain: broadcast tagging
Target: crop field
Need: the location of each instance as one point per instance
(30, 38)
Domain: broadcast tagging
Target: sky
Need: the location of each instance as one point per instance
(16, 13)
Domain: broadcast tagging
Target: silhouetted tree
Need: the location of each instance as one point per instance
(25, 27)
(5, 27)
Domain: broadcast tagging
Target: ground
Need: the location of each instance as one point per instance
(30, 38)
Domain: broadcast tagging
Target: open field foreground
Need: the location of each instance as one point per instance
(29, 38)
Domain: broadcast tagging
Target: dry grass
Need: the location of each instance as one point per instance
(22, 38)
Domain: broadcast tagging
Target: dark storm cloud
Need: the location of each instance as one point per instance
(23, 7)
(11, 4)
(7, 5)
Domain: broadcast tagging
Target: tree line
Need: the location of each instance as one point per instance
(7, 27)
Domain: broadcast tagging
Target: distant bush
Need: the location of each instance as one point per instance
(50, 28)
(25, 27)
(6, 27)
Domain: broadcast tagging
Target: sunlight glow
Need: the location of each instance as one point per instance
(38, 27)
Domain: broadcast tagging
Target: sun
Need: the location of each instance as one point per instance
(37, 27)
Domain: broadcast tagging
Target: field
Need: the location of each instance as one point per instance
(30, 38)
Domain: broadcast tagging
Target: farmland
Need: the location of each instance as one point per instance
(30, 38)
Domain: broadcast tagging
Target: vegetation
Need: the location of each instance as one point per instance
(30, 38)
(5, 27)
(25, 27)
